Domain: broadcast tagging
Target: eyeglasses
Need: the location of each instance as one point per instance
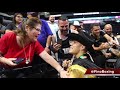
(37, 29)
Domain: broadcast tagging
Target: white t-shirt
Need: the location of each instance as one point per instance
(54, 27)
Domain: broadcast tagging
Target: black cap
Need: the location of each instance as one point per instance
(83, 39)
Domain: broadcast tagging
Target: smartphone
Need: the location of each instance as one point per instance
(18, 60)
(59, 41)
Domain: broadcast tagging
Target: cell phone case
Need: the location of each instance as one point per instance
(59, 41)
(18, 60)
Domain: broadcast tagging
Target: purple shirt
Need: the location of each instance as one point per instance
(45, 32)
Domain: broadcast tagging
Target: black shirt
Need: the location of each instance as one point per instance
(98, 41)
(11, 26)
(63, 51)
(85, 63)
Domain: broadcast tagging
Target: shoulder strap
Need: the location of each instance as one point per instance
(69, 31)
(57, 35)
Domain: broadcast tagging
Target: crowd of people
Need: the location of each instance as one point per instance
(58, 46)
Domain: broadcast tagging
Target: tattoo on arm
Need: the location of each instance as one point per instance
(116, 52)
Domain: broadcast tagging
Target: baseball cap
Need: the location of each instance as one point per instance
(76, 23)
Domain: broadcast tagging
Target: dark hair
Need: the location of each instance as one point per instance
(14, 21)
(64, 18)
(70, 23)
(95, 24)
(34, 14)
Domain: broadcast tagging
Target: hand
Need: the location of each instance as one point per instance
(63, 74)
(68, 75)
(113, 42)
(9, 61)
(47, 50)
(56, 46)
(107, 55)
(65, 63)
(104, 46)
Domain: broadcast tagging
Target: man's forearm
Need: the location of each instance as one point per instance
(115, 52)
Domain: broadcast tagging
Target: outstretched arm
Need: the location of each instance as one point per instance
(50, 60)
(110, 40)
(115, 52)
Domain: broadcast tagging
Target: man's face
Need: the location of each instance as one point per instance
(108, 30)
(51, 18)
(74, 47)
(63, 27)
(96, 30)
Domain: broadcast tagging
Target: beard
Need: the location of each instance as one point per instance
(64, 32)
(97, 35)
(52, 21)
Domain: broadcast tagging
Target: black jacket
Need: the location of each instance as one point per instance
(85, 63)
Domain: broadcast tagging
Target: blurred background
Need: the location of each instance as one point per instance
(86, 17)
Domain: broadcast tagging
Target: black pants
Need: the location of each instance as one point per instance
(39, 69)
(48, 70)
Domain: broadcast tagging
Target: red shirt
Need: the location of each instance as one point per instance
(10, 48)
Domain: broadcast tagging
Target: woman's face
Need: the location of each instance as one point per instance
(34, 32)
(19, 18)
(75, 47)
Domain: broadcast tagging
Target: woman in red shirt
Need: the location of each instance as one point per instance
(23, 44)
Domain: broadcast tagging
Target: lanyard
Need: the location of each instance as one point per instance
(83, 57)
